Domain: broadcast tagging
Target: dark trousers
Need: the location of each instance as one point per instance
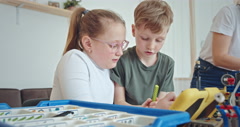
(210, 75)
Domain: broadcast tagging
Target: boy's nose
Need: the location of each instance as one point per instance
(150, 46)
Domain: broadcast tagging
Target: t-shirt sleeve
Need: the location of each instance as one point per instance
(74, 78)
(223, 22)
(168, 85)
(117, 73)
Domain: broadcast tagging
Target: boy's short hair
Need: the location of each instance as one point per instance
(154, 15)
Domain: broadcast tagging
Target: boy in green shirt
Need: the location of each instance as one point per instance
(143, 66)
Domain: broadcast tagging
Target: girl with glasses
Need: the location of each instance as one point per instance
(94, 45)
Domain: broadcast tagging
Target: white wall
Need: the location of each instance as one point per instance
(30, 51)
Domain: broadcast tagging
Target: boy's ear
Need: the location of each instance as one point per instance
(86, 42)
(133, 30)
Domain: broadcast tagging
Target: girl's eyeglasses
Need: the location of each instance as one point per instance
(114, 46)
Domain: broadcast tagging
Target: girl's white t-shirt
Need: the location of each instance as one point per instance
(77, 77)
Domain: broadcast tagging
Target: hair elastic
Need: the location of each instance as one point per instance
(85, 12)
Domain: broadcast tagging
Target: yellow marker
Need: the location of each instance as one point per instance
(155, 92)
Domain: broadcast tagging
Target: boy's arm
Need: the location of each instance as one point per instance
(167, 101)
(119, 97)
(167, 85)
(162, 94)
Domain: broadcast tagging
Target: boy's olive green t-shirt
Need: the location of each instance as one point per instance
(139, 80)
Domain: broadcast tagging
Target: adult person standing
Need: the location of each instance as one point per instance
(220, 53)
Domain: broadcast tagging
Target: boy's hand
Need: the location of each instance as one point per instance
(153, 104)
(149, 103)
(167, 101)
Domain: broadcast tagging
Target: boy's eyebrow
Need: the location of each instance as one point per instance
(163, 38)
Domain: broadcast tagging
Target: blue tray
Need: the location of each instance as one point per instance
(165, 118)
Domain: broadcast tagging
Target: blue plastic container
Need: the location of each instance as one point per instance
(164, 118)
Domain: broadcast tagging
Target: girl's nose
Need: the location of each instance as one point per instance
(119, 52)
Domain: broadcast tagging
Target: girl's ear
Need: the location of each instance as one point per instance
(86, 42)
(133, 30)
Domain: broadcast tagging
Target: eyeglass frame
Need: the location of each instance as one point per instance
(112, 45)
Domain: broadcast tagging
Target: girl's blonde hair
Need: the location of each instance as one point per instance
(154, 14)
(91, 23)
